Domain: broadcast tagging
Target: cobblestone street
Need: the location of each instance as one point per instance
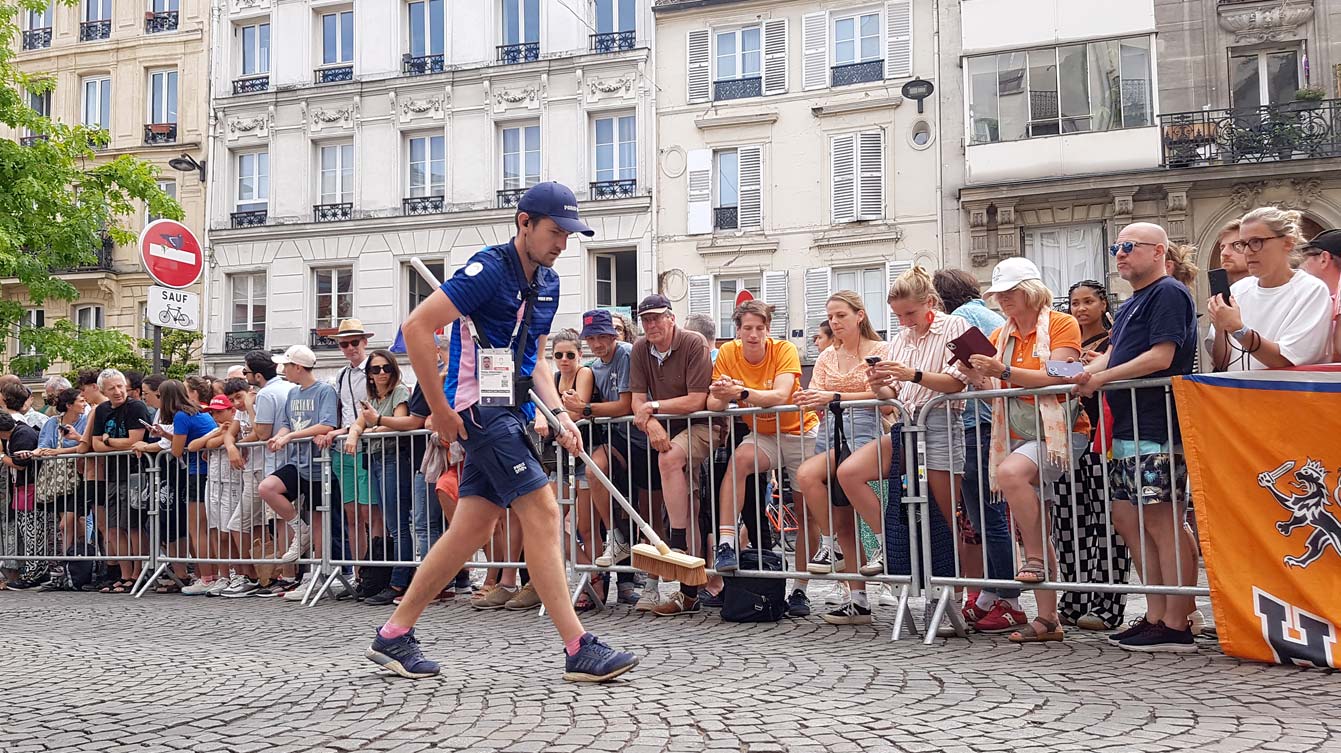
(88, 672)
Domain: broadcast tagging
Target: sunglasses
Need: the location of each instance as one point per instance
(349, 343)
(565, 356)
(1126, 247)
(380, 370)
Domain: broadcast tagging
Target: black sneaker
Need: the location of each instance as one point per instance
(1160, 638)
(798, 604)
(850, 613)
(1135, 627)
(385, 596)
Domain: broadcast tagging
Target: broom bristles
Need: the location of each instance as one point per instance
(686, 569)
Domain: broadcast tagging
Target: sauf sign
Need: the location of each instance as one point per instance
(176, 309)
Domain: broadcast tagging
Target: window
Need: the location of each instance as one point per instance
(163, 97)
(337, 174)
(1067, 254)
(616, 15)
(98, 103)
(870, 283)
(168, 187)
(253, 181)
(1269, 77)
(88, 317)
(521, 156)
(727, 290)
(335, 295)
(337, 38)
(41, 103)
(616, 279)
(419, 289)
(428, 166)
(856, 39)
(616, 148)
(97, 10)
(39, 19)
(858, 176)
(738, 54)
(728, 178)
(32, 319)
(426, 28)
(165, 6)
(1096, 86)
(256, 49)
(248, 302)
(521, 21)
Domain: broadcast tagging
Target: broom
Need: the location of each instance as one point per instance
(654, 558)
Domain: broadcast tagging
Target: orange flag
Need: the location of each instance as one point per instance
(1264, 456)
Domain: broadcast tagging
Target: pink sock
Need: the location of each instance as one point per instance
(392, 632)
(573, 646)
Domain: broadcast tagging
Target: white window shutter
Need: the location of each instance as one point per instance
(815, 51)
(898, 39)
(892, 271)
(699, 164)
(775, 292)
(843, 174)
(775, 56)
(871, 175)
(700, 295)
(817, 289)
(699, 77)
(751, 186)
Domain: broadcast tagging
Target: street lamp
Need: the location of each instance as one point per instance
(186, 163)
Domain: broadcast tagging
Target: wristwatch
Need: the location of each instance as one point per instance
(744, 395)
(1005, 375)
(656, 405)
(917, 376)
(586, 411)
(1240, 333)
(838, 397)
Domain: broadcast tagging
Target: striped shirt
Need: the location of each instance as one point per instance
(927, 354)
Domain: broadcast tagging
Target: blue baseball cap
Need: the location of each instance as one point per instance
(556, 201)
(596, 323)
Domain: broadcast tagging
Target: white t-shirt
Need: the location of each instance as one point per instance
(1297, 316)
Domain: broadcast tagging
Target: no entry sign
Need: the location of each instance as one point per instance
(171, 254)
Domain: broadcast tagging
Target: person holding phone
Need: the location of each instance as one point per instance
(191, 421)
(36, 527)
(61, 436)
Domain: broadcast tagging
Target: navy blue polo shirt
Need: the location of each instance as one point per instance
(1160, 312)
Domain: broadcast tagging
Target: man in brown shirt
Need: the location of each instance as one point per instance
(671, 373)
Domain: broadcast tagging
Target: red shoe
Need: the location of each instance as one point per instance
(973, 613)
(1001, 619)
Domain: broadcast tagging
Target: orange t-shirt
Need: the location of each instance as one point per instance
(1063, 332)
(780, 357)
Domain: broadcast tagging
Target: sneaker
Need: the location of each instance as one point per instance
(876, 564)
(1135, 627)
(402, 656)
(276, 588)
(1160, 638)
(651, 595)
(596, 662)
(382, 598)
(826, 560)
(197, 588)
(798, 604)
(23, 585)
(525, 599)
(839, 595)
(712, 601)
(223, 584)
(1001, 618)
(727, 561)
(241, 587)
(299, 589)
(1197, 622)
(850, 613)
(1091, 622)
(495, 598)
(616, 550)
(301, 544)
(887, 597)
(463, 585)
(628, 593)
(677, 603)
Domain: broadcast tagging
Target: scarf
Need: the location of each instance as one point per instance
(1056, 434)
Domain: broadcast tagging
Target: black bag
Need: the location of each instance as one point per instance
(746, 599)
(373, 579)
(79, 572)
(841, 452)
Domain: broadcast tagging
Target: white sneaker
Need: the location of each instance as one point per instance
(300, 590)
(616, 550)
(651, 595)
(887, 596)
(198, 587)
(876, 564)
(241, 586)
(220, 585)
(301, 544)
(1198, 622)
(839, 596)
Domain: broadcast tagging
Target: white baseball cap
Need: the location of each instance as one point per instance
(299, 354)
(1011, 272)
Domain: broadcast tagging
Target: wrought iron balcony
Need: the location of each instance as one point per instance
(423, 64)
(332, 212)
(251, 218)
(31, 375)
(518, 53)
(857, 73)
(102, 261)
(160, 133)
(37, 39)
(94, 30)
(1272, 133)
(738, 88)
(508, 197)
(323, 338)
(251, 84)
(613, 41)
(726, 218)
(614, 189)
(33, 139)
(154, 22)
(415, 205)
(244, 340)
(335, 74)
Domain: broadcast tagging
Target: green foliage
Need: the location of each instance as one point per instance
(87, 349)
(1310, 94)
(179, 352)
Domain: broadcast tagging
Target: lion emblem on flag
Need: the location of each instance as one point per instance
(1309, 506)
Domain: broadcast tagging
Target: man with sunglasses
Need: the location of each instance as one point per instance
(1322, 259)
(350, 469)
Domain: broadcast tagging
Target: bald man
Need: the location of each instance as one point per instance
(1154, 335)
(236, 372)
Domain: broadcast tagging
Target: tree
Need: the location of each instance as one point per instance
(82, 349)
(178, 352)
(59, 200)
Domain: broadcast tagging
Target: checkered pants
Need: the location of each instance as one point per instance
(1086, 549)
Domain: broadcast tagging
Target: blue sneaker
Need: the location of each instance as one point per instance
(727, 561)
(402, 656)
(596, 662)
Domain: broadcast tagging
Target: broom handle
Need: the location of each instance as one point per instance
(651, 535)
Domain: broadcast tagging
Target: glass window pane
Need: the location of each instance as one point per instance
(1244, 82)
(726, 56)
(263, 175)
(511, 22)
(417, 38)
(263, 61)
(605, 16)
(532, 22)
(1102, 63)
(248, 50)
(749, 52)
(1282, 75)
(328, 39)
(605, 131)
(982, 99)
(1043, 110)
(605, 162)
(1012, 98)
(346, 36)
(172, 97)
(437, 30)
(844, 52)
(628, 15)
(1136, 94)
(727, 174)
(1073, 81)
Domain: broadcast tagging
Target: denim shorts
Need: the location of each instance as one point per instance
(501, 462)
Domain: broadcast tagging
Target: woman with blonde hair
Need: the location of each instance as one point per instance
(1178, 263)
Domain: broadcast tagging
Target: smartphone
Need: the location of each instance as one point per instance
(1064, 369)
(872, 360)
(146, 424)
(1219, 280)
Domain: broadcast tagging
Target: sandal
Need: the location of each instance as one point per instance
(123, 587)
(1033, 571)
(583, 603)
(168, 588)
(1051, 632)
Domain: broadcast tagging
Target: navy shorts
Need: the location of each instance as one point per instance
(501, 462)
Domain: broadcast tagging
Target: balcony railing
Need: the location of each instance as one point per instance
(335, 74)
(30, 140)
(332, 212)
(613, 41)
(508, 197)
(738, 88)
(242, 341)
(31, 375)
(614, 189)
(101, 263)
(726, 218)
(518, 53)
(415, 205)
(250, 218)
(93, 30)
(323, 339)
(251, 84)
(160, 133)
(857, 73)
(37, 39)
(411, 65)
(1272, 133)
(154, 22)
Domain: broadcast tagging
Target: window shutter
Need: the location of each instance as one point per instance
(871, 175)
(699, 77)
(699, 164)
(815, 51)
(892, 271)
(898, 39)
(843, 169)
(775, 56)
(775, 292)
(751, 186)
(700, 295)
(817, 285)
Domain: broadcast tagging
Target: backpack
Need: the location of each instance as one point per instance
(373, 579)
(79, 572)
(746, 599)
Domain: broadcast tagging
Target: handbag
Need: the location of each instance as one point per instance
(55, 479)
(841, 452)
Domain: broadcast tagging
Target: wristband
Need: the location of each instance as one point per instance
(1240, 333)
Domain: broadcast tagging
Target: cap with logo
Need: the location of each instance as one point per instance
(557, 202)
(1327, 240)
(297, 354)
(1011, 272)
(596, 323)
(654, 304)
(220, 402)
